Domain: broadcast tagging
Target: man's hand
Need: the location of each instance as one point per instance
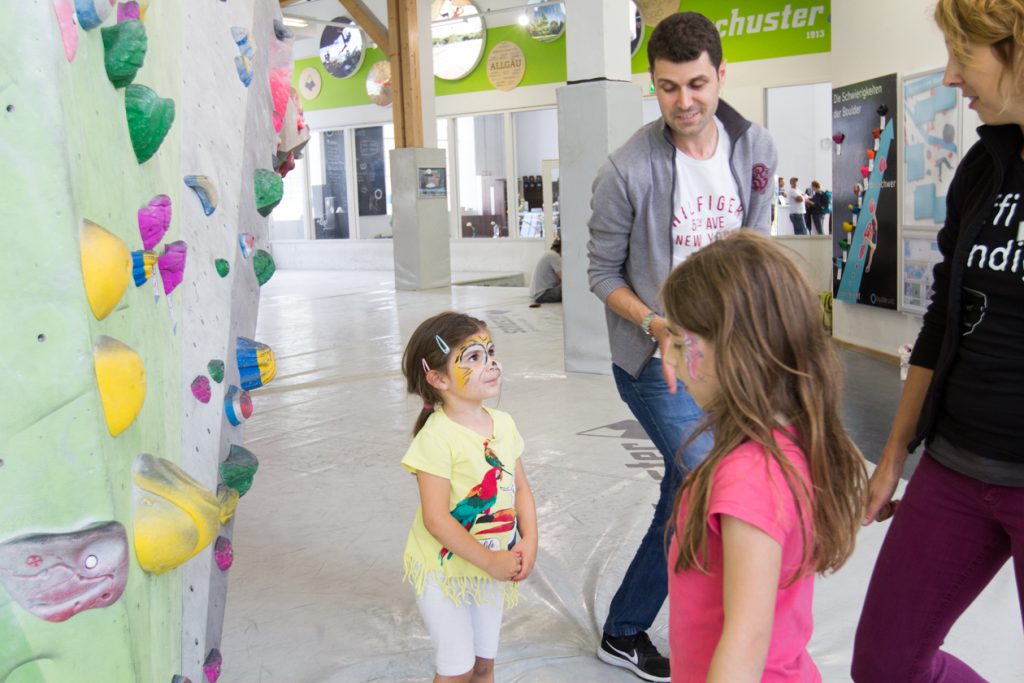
(659, 328)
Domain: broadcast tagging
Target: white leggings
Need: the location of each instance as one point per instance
(461, 633)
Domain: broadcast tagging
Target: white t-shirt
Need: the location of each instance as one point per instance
(795, 206)
(706, 200)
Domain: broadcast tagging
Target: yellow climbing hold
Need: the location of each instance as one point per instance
(175, 517)
(227, 498)
(106, 268)
(121, 379)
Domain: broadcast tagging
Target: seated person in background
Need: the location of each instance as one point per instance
(546, 286)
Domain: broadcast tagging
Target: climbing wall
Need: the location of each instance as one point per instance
(139, 143)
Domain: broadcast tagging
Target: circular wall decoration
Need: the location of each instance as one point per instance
(636, 29)
(310, 83)
(378, 83)
(506, 65)
(547, 23)
(458, 40)
(656, 10)
(341, 48)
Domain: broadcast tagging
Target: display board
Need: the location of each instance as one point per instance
(920, 256)
(931, 147)
(865, 197)
(370, 171)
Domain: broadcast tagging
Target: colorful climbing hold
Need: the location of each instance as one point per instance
(178, 678)
(244, 61)
(65, 12)
(124, 50)
(172, 265)
(239, 468)
(205, 191)
(56, 576)
(154, 219)
(201, 388)
(175, 516)
(128, 10)
(106, 267)
(222, 266)
(216, 370)
(227, 499)
(237, 405)
(92, 13)
(269, 190)
(149, 118)
(256, 363)
(246, 243)
(142, 265)
(211, 667)
(121, 380)
(223, 553)
(263, 265)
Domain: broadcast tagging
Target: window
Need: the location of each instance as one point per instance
(480, 153)
(329, 185)
(536, 141)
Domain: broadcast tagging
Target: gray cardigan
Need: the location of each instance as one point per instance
(631, 221)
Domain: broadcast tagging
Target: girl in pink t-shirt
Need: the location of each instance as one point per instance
(780, 496)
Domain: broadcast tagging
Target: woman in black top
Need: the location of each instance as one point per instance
(962, 516)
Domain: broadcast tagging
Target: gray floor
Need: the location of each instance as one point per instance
(316, 591)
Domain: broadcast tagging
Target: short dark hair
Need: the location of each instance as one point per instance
(556, 245)
(682, 37)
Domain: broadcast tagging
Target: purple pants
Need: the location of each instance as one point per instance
(948, 539)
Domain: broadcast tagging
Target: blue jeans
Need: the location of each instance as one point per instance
(668, 420)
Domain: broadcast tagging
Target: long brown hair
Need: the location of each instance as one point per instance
(775, 367)
(428, 343)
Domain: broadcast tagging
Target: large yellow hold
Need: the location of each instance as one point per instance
(175, 517)
(121, 379)
(106, 267)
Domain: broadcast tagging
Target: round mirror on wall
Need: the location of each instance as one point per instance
(547, 23)
(378, 83)
(458, 37)
(636, 28)
(342, 48)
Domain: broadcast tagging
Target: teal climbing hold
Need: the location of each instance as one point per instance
(269, 190)
(124, 50)
(149, 118)
(263, 265)
(239, 469)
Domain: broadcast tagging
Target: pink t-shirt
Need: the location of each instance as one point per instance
(750, 486)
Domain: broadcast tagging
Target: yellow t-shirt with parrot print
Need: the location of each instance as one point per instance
(482, 498)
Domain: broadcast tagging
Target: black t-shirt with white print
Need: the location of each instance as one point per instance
(983, 409)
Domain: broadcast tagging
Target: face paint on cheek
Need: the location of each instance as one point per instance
(693, 356)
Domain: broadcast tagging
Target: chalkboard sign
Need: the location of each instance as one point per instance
(370, 181)
(332, 209)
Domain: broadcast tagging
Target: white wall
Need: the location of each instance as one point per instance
(536, 139)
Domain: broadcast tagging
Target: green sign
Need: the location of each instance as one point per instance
(765, 29)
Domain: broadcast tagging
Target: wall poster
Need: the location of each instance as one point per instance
(433, 182)
(931, 147)
(920, 256)
(866, 248)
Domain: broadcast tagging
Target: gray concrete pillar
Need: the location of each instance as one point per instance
(597, 111)
(420, 219)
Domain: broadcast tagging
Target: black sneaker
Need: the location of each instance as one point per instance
(636, 653)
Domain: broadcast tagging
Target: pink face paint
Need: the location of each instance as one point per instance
(693, 356)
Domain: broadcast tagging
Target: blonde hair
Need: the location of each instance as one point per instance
(999, 23)
(775, 365)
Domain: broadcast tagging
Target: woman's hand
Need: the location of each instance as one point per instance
(882, 486)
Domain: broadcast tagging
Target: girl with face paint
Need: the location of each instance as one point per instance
(474, 536)
(780, 495)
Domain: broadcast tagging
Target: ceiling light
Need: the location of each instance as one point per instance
(295, 22)
(523, 19)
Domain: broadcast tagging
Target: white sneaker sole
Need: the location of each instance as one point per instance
(609, 658)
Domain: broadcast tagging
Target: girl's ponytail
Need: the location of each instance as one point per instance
(428, 410)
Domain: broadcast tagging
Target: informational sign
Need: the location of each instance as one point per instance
(332, 208)
(370, 181)
(433, 182)
(865, 244)
(920, 256)
(931, 147)
(506, 65)
(768, 28)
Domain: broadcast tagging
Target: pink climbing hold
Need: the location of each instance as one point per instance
(154, 218)
(172, 265)
(201, 388)
(882, 164)
(865, 171)
(223, 553)
(211, 667)
(838, 138)
(128, 10)
(65, 11)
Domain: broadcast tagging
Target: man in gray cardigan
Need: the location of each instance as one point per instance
(698, 172)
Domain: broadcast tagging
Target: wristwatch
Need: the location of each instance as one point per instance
(645, 325)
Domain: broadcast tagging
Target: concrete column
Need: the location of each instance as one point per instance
(420, 218)
(594, 118)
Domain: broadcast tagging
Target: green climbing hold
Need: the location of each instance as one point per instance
(264, 266)
(124, 49)
(149, 118)
(216, 370)
(238, 470)
(223, 267)
(269, 190)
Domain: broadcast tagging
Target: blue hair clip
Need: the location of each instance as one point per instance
(442, 345)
